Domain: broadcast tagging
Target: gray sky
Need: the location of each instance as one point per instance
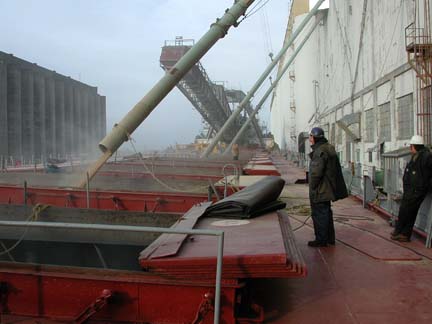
(115, 45)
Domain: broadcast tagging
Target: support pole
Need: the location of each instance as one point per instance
(88, 190)
(365, 204)
(25, 193)
(145, 106)
(258, 83)
(256, 127)
(274, 84)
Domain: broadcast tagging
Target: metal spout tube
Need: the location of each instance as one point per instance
(261, 79)
(145, 106)
(274, 84)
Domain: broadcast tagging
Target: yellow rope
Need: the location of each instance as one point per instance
(37, 209)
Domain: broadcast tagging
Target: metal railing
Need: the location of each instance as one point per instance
(180, 41)
(142, 229)
(415, 36)
(236, 174)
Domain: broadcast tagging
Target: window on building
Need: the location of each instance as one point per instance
(339, 135)
(340, 156)
(333, 133)
(405, 116)
(370, 126)
(348, 152)
(384, 122)
(326, 130)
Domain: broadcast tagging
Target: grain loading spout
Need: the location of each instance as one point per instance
(122, 131)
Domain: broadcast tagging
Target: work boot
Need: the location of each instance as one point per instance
(394, 233)
(331, 242)
(316, 244)
(400, 238)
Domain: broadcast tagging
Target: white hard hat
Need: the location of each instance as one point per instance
(417, 140)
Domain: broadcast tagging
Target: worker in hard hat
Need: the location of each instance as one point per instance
(417, 180)
(235, 149)
(326, 184)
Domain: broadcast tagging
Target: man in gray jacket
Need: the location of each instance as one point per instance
(326, 184)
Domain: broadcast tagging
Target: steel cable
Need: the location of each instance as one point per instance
(163, 184)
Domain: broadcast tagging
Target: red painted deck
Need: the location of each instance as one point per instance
(364, 279)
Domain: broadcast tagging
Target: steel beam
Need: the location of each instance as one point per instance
(345, 128)
(208, 98)
(274, 84)
(255, 125)
(236, 96)
(145, 106)
(261, 79)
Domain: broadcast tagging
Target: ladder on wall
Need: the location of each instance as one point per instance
(418, 43)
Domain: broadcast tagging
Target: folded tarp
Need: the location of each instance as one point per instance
(257, 199)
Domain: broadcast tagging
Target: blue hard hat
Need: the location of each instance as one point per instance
(317, 132)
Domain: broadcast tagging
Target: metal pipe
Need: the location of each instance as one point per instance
(122, 131)
(101, 258)
(315, 91)
(218, 277)
(25, 193)
(209, 193)
(273, 85)
(365, 205)
(261, 79)
(142, 229)
(88, 190)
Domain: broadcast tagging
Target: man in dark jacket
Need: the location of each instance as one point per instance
(326, 184)
(417, 180)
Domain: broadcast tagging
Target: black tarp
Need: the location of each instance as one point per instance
(254, 200)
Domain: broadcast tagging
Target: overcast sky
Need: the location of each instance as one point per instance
(115, 45)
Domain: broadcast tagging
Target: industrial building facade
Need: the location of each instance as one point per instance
(354, 79)
(45, 115)
(364, 76)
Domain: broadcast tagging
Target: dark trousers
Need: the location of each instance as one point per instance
(408, 210)
(322, 217)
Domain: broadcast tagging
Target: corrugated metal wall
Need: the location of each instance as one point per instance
(44, 114)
